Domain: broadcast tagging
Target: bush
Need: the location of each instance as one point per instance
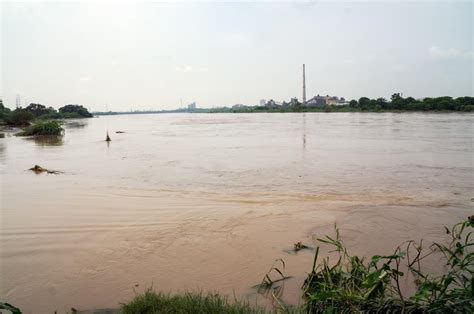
(43, 128)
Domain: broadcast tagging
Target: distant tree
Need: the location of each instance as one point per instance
(396, 97)
(364, 103)
(353, 103)
(4, 111)
(397, 102)
(72, 111)
(382, 103)
(39, 110)
(465, 103)
(19, 117)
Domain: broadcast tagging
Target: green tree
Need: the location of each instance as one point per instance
(4, 111)
(396, 101)
(75, 111)
(364, 103)
(19, 117)
(39, 110)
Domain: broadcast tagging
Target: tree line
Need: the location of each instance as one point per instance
(24, 116)
(397, 102)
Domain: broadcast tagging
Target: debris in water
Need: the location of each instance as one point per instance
(38, 169)
(119, 132)
(107, 139)
(298, 247)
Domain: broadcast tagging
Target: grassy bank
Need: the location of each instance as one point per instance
(353, 284)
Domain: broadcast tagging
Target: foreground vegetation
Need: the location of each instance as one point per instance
(351, 284)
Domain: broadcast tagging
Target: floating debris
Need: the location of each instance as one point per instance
(107, 139)
(298, 247)
(38, 169)
(119, 132)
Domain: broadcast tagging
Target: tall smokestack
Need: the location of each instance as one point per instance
(304, 87)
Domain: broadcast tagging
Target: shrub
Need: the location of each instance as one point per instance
(43, 128)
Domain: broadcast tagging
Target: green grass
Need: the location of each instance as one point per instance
(43, 128)
(153, 302)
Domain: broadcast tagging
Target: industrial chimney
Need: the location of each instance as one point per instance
(304, 88)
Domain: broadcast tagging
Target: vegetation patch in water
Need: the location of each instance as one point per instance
(43, 128)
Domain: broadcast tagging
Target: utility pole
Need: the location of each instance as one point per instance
(304, 87)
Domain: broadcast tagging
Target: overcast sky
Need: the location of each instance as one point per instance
(153, 55)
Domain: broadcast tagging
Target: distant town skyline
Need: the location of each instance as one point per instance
(136, 56)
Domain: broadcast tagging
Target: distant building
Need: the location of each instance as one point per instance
(192, 106)
(319, 101)
(262, 102)
(316, 101)
(238, 106)
(272, 104)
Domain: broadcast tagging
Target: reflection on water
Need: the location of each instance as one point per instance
(76, 124)
(304, 131)
(2, 149)
(47, 140)
(209, 201)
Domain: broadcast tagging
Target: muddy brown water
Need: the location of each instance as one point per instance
(208, 201)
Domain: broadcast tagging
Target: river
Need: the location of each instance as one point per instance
(209, 201)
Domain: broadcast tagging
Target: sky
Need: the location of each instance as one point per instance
(159, 55)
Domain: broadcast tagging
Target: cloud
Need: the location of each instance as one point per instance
(436, 52)
(190, 69)
(85, 79)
